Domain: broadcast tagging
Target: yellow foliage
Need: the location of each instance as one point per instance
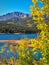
(23, 45)
(35, 1)
(36, 44)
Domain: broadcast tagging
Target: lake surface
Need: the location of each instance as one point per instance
(17, 36)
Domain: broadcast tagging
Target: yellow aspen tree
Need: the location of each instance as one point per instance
(40, 16)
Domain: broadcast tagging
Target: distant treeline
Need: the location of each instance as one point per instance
(12, 28)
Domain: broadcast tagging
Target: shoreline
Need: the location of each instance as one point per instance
(19, 33)
(11, 41)
(14, 42)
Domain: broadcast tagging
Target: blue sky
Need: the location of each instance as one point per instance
(7, 6)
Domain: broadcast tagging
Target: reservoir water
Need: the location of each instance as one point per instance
(17, 36)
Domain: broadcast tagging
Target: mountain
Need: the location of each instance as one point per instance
(16, 22)
(17, 15)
